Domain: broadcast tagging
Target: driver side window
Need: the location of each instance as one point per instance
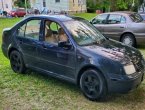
(100, 19)
(54, 33)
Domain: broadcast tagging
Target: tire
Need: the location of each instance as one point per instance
(17, 63)
(128, 39)
(93, 85)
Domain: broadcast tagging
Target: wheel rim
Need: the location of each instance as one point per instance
(128, 41)
(91, 85)
(16, 63)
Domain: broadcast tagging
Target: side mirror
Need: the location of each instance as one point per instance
(65, 45)
(91, 22)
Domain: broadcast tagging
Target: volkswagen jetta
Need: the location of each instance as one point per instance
(72, 49)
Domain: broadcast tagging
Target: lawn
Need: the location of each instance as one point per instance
(36, 91)
(87, 16)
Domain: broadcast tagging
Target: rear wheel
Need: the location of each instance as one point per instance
(17, 63)
(93, 85)
(128, 39)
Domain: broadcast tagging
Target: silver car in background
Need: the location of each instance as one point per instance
(143, 16)
(126, 27)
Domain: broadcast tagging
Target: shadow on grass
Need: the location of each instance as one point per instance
(137, 96)
(52, 80)
(141, 47)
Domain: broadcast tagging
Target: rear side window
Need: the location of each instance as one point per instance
(21, 31)
(100, 19)
(136, 17)
(30, 30)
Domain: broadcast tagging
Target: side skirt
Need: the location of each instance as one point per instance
(52, 74)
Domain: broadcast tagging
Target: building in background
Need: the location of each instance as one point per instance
(6, 5)
(71, 6)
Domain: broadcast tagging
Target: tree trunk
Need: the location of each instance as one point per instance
(94, 1)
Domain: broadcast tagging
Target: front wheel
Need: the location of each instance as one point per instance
(93, 85)
(17, 63)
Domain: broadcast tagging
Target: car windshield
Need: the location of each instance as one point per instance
(136, 17)
(84, 33)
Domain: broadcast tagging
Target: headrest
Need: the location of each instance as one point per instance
(61, 31)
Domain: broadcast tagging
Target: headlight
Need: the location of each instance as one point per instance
(129, 69)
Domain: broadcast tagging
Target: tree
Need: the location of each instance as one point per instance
(21, 3)
(115, 5)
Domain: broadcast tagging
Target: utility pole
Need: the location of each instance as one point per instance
(143, 5)
(2, 5)
(82, 2)
(26, 6)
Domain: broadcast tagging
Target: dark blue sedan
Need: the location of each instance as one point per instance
(72, 49)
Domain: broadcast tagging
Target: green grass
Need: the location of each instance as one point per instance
(87, 16)
(36, 91)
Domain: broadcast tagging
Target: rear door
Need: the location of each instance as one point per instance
(28, 39)
(116, 25)
(100, 21)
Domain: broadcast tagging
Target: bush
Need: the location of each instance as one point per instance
(91, 10)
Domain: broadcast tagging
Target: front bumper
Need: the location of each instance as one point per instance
(126, 83)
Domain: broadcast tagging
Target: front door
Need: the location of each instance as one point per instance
(54, 59)
(100, 21)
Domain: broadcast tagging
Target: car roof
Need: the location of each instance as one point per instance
(58, 17)
(142, 13)
(121, 12)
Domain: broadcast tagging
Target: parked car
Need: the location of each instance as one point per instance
(17, 12)
(4, 13)
(126, 27)
(72, 49)
(143, 16)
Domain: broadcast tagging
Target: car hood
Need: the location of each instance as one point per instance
(116, 51)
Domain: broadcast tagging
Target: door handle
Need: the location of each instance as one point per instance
(62, 56)
(122, 27)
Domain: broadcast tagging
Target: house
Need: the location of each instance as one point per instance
(6, 5)
(141, 8)
(71, 6)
